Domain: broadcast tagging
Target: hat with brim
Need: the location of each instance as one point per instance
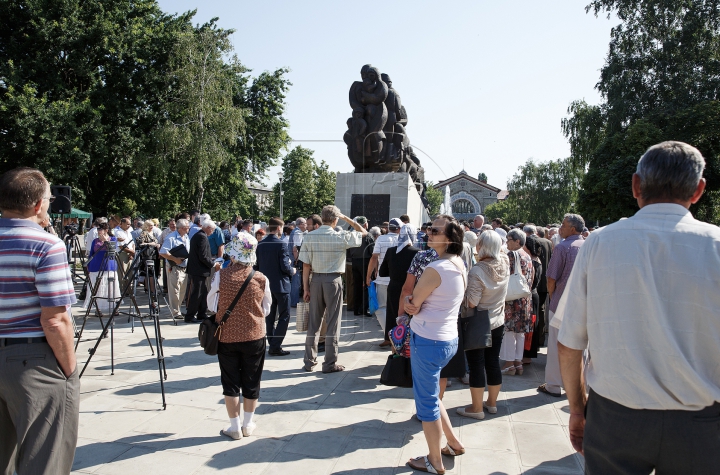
(242, 248)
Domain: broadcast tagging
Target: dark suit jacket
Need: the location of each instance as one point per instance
(544, 256)
(200, 261)
(273, 260)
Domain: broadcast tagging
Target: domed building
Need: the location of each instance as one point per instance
(469, 196)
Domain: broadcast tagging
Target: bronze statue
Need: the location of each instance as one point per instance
(376, 138)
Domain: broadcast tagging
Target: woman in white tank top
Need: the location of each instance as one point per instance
(435, 304)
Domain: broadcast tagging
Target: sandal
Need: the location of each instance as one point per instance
(425, 467)
(543, 389)
(335, 368)
(519, 369)
(510, 370)
(450, 452)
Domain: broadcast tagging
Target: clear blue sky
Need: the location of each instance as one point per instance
(484, 83)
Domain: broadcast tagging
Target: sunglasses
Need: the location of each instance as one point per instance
(436, 231)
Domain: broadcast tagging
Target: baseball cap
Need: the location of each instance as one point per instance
(395, 223)
(360, 219)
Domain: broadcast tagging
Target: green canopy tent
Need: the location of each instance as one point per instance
(76, 213)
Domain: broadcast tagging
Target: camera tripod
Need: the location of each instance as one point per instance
(139, 260)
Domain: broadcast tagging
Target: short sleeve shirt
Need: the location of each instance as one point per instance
(174, 240)
(324, 249)
(561, 264)
(216, 239)
(421, 261)
(35, 274)
(382, 244)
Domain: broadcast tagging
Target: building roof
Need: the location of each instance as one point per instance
(502, 195)
(464, 176)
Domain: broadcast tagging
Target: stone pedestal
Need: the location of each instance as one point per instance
(379, 197)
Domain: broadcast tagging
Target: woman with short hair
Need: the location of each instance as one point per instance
(241, 351)
(518, 313)
(435, 304)
(487, 287)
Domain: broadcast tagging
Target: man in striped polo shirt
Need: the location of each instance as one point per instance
(39, 386)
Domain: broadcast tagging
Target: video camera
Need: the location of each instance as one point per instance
(71, 229)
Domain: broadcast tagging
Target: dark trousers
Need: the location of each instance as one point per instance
(241, 367)
(360, 292)
(39, 411)
(621, 440)
(197, 297)
(280, 309)
(486, 360)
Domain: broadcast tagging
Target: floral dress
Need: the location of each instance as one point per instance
(518, 313)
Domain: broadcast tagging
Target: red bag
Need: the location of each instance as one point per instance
(529, 335)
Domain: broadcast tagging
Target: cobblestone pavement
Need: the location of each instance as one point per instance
(307, 423)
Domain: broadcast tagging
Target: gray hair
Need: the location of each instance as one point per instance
(100, 220)
(516, 235)
(486, 227)
(489, 244)
(300, 221)
(529, 228)
(374, 232)
(329, 214)
(670, 171)
(576, 221)
(207, 223)
(182, 223)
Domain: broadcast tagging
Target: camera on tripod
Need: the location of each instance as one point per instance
(71, 229)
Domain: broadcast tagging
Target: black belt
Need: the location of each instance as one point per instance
(19, 341)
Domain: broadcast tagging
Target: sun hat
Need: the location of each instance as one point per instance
(242, 248)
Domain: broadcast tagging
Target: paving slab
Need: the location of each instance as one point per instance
(307, 422)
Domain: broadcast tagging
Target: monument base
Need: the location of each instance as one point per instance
(379, 197)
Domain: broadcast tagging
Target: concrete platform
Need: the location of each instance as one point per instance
(307, 423)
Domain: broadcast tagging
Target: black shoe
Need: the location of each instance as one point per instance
(321, 348)
(192, 320)
(279, 352)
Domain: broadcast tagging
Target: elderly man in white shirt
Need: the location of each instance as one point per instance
(644, 299)
(382, 244)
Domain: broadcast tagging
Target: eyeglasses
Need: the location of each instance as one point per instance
(50, 198)
(436, 231)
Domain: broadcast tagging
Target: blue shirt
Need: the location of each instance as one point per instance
(34, 273)
(216, 240)
(174, 240)
(97, 256)
(193, 229)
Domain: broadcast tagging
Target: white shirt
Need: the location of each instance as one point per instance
(124, 237)
(213, 296)
(90, 236)
(382, 244)
(644, 298)
(437, 318)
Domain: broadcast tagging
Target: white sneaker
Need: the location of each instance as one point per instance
(248, 430)
(465, 379)
(233, 434)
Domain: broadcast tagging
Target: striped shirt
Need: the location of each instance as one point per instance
(34, 273)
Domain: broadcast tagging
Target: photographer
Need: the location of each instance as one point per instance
(39, 385)
(107, 293)
(147, 244)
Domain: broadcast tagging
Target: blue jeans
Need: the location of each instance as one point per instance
(428, 358)
(295, 290)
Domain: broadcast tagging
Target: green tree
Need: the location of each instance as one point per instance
(482, 177)
(435, 198)
(204, 122)
(307, 186)
(539, 192)
(80, 89)
(660, 81)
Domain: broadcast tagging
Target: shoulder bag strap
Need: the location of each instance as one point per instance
(237, 297)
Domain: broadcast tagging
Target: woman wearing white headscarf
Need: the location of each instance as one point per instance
(395, 265)
(241, 352)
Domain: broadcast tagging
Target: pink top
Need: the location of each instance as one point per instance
(437, 319)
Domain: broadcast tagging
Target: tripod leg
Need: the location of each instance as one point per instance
(160, 358)
(142, 322)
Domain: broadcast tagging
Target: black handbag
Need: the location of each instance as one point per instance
(475, 330)
(209, 332)
(397, 372)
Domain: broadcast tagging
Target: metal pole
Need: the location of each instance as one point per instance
(281, 199)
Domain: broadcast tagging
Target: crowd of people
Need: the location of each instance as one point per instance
(628, 314)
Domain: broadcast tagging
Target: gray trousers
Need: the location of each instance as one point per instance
(39, 411)
(325, 298)
(553, 378)
(620, 440)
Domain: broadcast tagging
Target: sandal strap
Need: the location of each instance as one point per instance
(450, 449)
(429, 466)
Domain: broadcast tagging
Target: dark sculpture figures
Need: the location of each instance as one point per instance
(365, 137)
(376, 138)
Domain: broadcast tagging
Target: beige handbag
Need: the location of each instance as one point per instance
(302, 313)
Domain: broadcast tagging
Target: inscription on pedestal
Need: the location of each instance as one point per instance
(376, 208)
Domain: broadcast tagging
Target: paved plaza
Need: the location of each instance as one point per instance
(307, 423)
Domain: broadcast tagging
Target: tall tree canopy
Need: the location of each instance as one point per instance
(135, 109)
(539, 192)
(307, 186)
(660, 81)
